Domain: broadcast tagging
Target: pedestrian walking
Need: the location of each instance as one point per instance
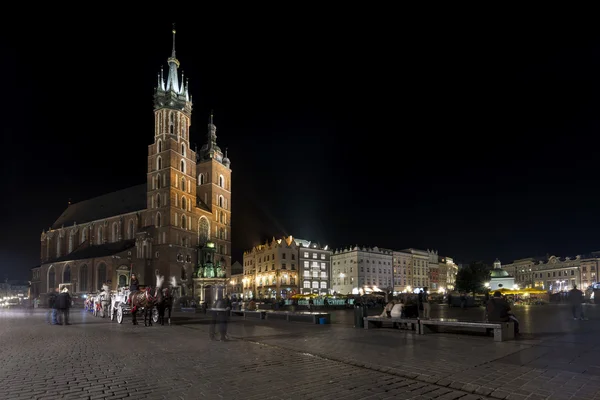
(220, 311)
(426, 304)
(575, 299)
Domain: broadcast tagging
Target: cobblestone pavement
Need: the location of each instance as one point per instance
(97, 359)
(559, 359)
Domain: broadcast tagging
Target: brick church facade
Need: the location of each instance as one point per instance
(158, 225)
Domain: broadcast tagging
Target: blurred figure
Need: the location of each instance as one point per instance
(498, 310)
(426, 304)
(220, 312)
(51, 315)
(575, 299)
(63, 304)
(387, 310)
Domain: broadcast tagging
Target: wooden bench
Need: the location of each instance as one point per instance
(301, 316)
(377, 322)
(502, 330)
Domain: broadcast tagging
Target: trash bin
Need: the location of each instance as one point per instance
(322, 321)
(360, 312)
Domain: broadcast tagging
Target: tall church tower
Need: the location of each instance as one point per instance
(189, 194)
(171, 199)
(214, 190)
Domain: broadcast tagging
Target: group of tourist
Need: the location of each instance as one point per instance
(59, 303)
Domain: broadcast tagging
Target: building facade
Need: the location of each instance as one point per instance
(271, 270)
(451, 272)
(402, 265)
(360, 270)
(158, 225)
(315, 267)
(555, 274)
(418, 270)
(433, 268)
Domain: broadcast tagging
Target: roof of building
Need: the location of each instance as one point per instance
(106, 249)
(107, 205)
(121, 202)
(499, 273)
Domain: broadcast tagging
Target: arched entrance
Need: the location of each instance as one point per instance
(123, 275)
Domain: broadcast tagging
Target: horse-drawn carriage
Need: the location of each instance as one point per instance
(120, 306)
(153, 303)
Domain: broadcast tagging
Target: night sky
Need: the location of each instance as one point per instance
(477, 141)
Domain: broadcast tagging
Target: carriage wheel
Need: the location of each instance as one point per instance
(111, 311)
(120, 315)
(155, 315)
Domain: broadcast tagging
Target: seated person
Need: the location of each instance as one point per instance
(498, 310)
(397, 310)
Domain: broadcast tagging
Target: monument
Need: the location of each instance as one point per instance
(209, 276)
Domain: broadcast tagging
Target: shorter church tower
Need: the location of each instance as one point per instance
(214, 190)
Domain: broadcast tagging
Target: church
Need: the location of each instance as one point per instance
(163, 224)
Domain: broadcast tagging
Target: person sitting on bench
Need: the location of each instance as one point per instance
(498, 310)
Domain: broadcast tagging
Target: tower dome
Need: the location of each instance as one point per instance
(226, 161)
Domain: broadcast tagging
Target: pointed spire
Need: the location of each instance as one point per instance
(172, 80)
(173, 52)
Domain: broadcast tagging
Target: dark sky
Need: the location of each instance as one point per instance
(476, 140)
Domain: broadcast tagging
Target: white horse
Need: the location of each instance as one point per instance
(120, 297)
(101, 301)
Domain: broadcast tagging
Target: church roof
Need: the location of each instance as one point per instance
(106, 249)
(108, 205)
(499, 273)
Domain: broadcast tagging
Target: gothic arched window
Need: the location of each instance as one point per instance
(201, 179)
(182, 166)
(183, 203)
(158, 200)
(159, 146)
(159, 163)
(183, 184)
(158, 220)
(172, 123)
(67, 274)
(221, 181)
(221, 201)
(130, 231)
(115, 232)
(51, 279)
(183, 149)
(71, 241)
(203, 231)
(183, 221)
(101, 275)
(83, 278)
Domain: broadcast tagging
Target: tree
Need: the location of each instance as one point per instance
(471, 278)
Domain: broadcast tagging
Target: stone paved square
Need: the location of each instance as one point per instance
(95, 358)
